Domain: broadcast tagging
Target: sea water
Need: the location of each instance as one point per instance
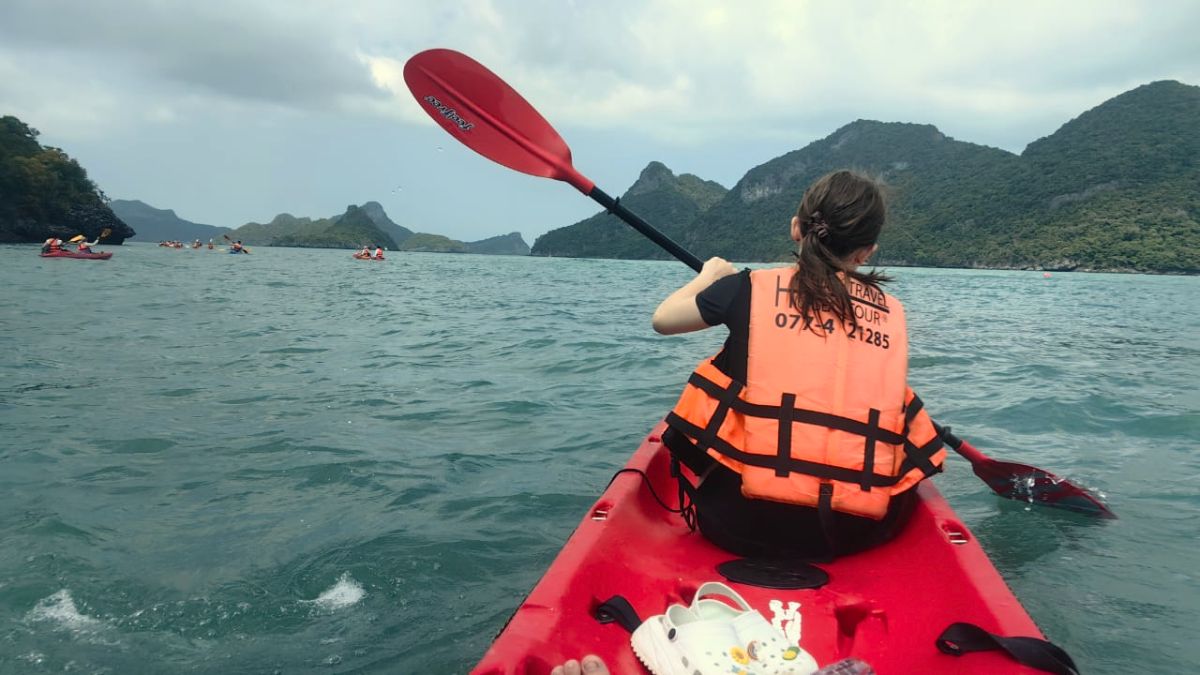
(294, 461)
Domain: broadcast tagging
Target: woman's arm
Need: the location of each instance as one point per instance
(679, 312)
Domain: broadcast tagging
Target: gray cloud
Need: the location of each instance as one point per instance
(231, 49)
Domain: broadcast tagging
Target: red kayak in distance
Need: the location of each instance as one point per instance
(81, 256)
(886, 606)
(367, 257)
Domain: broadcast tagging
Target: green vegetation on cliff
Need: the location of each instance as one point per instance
(433, 243)
(1117, 188)
(44, 193)
(667, 201)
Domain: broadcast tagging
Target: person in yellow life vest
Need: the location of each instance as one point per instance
(801, 436)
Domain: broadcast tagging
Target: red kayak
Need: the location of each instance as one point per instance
(75, 254)
(886, 606)
(367, 257)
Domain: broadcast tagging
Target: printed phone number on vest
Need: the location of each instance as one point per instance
(866, 335)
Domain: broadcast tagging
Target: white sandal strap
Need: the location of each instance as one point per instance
(721, 590)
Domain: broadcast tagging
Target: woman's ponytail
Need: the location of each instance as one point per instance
(841, 213)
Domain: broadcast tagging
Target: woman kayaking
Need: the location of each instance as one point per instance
(818, 344)
(85, 246)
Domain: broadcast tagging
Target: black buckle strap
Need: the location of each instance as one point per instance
(618, 610)
(962, 638)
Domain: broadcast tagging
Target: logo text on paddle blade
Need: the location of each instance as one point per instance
(449, 113)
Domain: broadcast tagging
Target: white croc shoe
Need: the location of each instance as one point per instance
(712, 637)
(768, 651)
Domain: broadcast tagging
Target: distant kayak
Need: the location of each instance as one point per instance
(81, 256)
(235, 252)
(886, 606)
(366, 257)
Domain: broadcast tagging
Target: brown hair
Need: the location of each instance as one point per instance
(839, 214)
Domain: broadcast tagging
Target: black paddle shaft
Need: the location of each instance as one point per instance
(614, 207)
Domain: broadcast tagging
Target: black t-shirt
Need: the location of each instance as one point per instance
(727, 302)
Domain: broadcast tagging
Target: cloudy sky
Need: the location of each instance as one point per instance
(230, 111)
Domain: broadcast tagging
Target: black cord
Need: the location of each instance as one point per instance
(649, 486)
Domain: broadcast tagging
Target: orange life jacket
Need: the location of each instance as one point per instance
(379, 254)
(825, 417)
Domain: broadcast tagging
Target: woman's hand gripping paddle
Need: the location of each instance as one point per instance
(485, 114)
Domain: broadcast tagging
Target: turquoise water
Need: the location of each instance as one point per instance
(297, 462)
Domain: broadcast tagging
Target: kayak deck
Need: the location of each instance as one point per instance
(885, 606)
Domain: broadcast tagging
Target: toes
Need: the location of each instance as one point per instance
(594, 666)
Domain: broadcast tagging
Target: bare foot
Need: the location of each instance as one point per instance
(591, 664)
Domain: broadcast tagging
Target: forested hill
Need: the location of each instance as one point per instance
(667, 201)
(366, 225)
(44, 193)
(351, 229)
(1117, 188)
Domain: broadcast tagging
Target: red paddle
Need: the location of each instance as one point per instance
(485, 114)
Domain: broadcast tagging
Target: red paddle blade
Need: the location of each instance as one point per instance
(1030, 484)
(485, 114)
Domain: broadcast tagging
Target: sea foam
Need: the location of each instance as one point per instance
(60, 610)
(344, 593)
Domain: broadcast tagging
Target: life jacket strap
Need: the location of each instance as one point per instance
(726, 397)
(919, 457)
(869, 452)
(787, 406)
(801, 415)
(825, 515)
(778, 461)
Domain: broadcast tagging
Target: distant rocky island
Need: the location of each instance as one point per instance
(162, 224)
(1115, 189)
(360, 225)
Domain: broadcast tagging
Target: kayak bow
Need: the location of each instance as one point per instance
(886, 606)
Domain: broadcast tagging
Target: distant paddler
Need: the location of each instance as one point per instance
(85, 246)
